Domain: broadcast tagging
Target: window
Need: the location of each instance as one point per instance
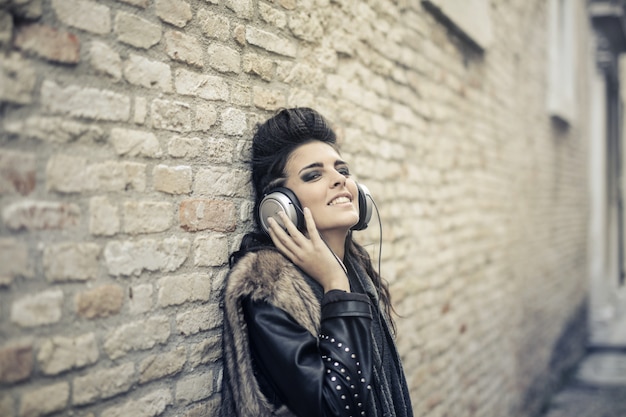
(561, 60)
(470, 18)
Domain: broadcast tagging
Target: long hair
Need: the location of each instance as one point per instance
(272, 145)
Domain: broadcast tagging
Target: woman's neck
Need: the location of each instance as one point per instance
(336, 241)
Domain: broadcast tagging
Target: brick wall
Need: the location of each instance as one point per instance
(123, 188)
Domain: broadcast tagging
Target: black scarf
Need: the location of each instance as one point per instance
(391, 399)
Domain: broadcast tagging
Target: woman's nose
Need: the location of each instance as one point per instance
(339, 180)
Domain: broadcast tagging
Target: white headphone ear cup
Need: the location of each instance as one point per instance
(280, 199)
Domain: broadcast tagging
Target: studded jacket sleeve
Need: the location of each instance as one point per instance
(327, 375)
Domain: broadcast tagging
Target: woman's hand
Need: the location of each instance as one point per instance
(311, 253)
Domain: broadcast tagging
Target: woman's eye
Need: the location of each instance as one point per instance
(344, 171)
(310, 176)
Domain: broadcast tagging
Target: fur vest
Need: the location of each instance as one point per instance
(264, 275)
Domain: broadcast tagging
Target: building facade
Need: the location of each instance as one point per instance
(124, 134)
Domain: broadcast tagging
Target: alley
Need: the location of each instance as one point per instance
(598, 386)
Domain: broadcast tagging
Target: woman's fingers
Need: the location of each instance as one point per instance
(310, 225)
(279, 236)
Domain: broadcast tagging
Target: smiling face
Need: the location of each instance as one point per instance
(321, 181)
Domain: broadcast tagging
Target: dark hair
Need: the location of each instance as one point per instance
(272, 145)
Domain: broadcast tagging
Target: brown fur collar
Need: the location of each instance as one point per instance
(264, 275)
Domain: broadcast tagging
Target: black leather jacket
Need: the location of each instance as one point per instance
(322, 376)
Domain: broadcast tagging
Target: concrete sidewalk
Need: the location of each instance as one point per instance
(597, 390)
(598, 387)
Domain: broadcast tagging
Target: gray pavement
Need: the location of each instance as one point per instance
(598, 387)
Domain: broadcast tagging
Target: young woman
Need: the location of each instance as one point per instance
(307, 327)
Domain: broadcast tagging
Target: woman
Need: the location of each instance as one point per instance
(304, 334)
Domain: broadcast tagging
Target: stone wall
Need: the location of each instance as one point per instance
(125, 127)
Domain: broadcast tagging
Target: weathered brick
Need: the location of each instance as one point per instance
(199, 319)
(139, 3)
(179, 289)
(71, 261)
(209, 87)
(194, 388)
(66, 174)
(240, 95)
(213, 25)
(207, 351)
(135, 143)
(14, 261)
(205, 117)
(139, 335)
(38, 309)
(233, 122)
(242, 8)
(16, 362)
(302, 75)
(182, 147)
(55, 129)
(149, 405)
(17, 172)
(17, 79)
(132, 257)
(141, 110)
(40, 215)
(171, 115)
(59, 353)
(270, 42)
(102, 384)
(84, 14)
(287, 4)
(115, 176)
(46, 400)
(220, 150)
(272, 16)
(176, 12)
(6, 27)
(140, 299)
(184, 48)
(268, 99)
(136, 31)
(48, 42)
(27, 9)
(211, 250)
(224, 59)
(147, 216)
(104, 219)
(259, 65)
(102, 301)
(158, 366)
(222, 181)
(105, 60)
(85, 102)
(172, 180)
(7, 405)
(306, 25)
(239, 34)
(202, 214)
(147, 73)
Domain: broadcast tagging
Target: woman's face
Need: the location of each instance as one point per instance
(321, 181)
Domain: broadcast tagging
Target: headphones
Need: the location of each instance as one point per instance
(283, 199)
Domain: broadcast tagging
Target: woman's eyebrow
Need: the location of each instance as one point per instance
(321, 165)
(313, 165)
